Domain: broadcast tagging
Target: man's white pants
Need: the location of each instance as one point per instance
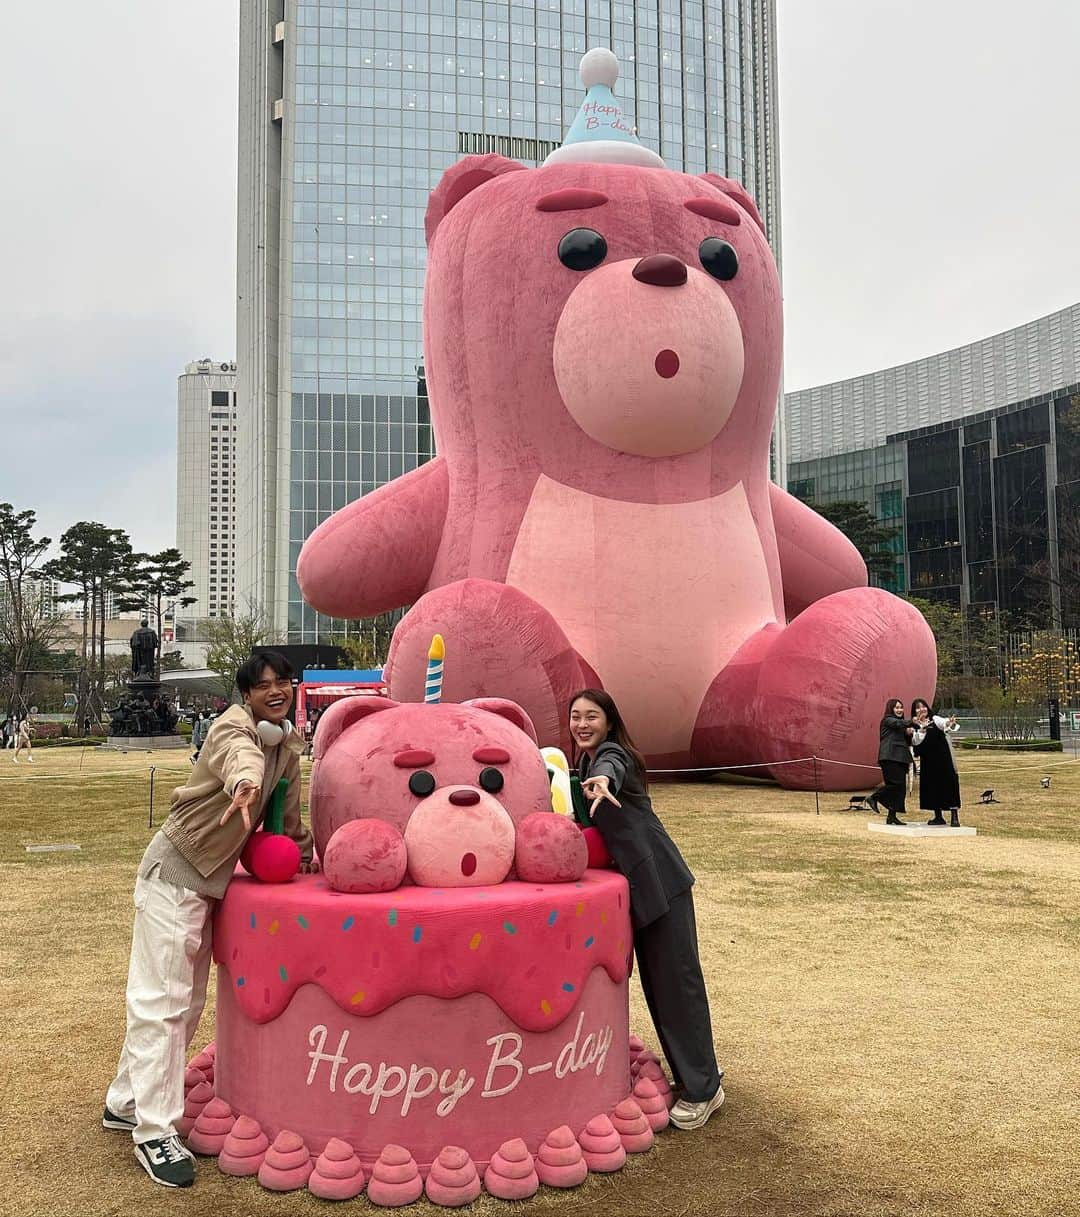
(166, 992)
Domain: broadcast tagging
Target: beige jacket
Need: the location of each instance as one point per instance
(233, 753)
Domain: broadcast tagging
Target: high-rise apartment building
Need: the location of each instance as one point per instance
(350, 110)
(206, 483)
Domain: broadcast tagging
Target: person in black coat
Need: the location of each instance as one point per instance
(612, 775)
(894, 757)
(939, 783)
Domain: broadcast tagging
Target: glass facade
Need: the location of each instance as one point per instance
(873, 477)
(990, 507)
(378, 97)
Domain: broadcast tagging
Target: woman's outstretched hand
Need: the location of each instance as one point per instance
(598, 790)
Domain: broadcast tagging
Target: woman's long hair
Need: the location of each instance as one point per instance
(921, 701)
(616, 728)
(889, 706)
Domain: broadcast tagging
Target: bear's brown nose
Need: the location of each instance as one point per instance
(661, 270)
(464, 798)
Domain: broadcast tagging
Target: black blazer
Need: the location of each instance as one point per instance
(635, 838)
(895, 742)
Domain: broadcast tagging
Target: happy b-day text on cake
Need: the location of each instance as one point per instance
(413, 1083)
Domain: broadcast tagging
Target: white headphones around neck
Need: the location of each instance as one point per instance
(273, 733)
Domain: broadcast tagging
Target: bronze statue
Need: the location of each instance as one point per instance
(144, 652)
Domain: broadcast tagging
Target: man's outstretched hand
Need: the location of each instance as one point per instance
(245, 797)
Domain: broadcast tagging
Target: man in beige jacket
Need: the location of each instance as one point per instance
(185, 870)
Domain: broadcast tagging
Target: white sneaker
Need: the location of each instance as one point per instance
(30, 760)
(688, 1116)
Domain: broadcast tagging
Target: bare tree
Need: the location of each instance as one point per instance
(232, 639)
(27, 625)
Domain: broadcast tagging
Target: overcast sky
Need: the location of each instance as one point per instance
(928, 166)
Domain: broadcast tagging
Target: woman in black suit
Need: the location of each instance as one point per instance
(661, 906)
(894, 757)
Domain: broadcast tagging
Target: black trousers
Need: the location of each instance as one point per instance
(670, 972)
(894, 792)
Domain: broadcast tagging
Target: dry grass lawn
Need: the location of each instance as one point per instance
(899, 1021)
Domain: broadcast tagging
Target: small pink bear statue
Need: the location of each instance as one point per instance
(451, 795)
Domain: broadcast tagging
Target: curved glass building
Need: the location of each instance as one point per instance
(974, 456)
(349, 112)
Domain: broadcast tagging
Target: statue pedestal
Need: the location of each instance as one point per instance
(145, 743)
(922, 831)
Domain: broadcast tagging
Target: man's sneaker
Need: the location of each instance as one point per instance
(687, 1115)
(166, 1161)
(120, 1123)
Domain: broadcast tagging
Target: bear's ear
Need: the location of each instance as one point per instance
(458, 181)
(343, 714)
(734, 191)
(509, 710)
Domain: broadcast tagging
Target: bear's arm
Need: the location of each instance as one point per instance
(816, 559)
(377, 553)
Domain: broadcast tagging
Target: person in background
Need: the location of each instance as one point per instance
(23, 732)
(939, 782)
(894, 758)
(612, 774)
(185, 871)
(199, 729)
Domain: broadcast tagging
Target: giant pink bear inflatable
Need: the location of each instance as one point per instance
(603, 354)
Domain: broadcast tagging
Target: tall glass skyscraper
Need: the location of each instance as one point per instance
(349, 112)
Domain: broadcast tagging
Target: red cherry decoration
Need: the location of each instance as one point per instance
(269, 855)
(599, 858)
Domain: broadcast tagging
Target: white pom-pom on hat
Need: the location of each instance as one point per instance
(599, 67)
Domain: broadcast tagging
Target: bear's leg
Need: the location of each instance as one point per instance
(818, 689)
(499, 643)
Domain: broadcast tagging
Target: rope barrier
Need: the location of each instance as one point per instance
(816, 761)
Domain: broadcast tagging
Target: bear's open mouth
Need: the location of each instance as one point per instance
(667, 364)
(468, 865)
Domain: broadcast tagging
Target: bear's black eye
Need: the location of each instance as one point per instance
(582, 249)
(719, 258)
(491, 780)
(421, 783)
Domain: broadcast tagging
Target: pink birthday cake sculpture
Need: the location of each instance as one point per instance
(451, 989)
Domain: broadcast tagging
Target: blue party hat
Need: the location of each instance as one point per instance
(601, 133)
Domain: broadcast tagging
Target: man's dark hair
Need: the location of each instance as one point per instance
(250, 672)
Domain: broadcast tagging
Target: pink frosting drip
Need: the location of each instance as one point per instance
(601, 1147)
(653, 1072)
(395, 1178)
(641, 1059)
(338, 1174)
(633, 1127)
(194, 1101)
(192, 1077)
(559, 1161)
(529, 947)
(244, 1149)
(511, 1174)
(287, 1164)
(204, 1062)
(652, 1103)
(212, 1126)
(453, 1179)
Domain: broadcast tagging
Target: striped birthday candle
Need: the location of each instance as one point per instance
(433, 684)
